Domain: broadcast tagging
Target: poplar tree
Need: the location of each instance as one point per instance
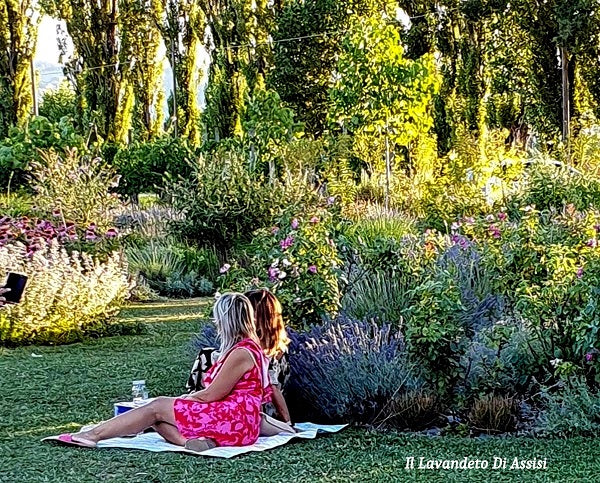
(95, 69)
(19, 20)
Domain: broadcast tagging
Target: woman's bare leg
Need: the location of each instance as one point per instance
(170, 433)
(133, 421)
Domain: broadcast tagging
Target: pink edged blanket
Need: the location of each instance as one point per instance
(154, 442)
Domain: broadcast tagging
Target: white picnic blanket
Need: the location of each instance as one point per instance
(154, 442)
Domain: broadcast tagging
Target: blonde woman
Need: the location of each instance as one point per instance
(225, 413)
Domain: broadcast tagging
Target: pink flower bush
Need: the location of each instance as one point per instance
(37, 234)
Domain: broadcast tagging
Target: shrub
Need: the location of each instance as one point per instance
(546, 186)
(36, 234)
(142, 292)
(415, 409)
(68, 296)
(58, 103)
(202, 260)
(223, 203)
(269, 128)
(378, 294)
(76, 188)
(23, 144)
(348, 370)
(571, 411)
(16, 204)
(463, 263)
(165, 270)
(145, 223)
(143, 165)
(548, 265)
(435, 333)
(371, 229)
(500, 360)
(494, 414)
(298, 260)
(410, 255)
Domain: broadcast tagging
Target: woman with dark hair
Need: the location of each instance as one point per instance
(271, 332)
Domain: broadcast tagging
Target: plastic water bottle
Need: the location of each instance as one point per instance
(139, 392)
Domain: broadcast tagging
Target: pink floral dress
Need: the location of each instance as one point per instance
(235, 419)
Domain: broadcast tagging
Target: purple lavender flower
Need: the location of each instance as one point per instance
(330, 200)
(579, 272)
(461, 241)
(592, 243)
(225, 268)
(286, 243)
(314, 219)
(312, 269)
(273, 272)
(502, 216)
(589, 357)
(111, 233)
(295, 223)
(495, 231)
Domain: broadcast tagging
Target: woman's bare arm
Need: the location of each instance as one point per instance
(280, 404)
(235, 366)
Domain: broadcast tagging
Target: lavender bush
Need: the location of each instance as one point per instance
(463, 262)
(348, 370)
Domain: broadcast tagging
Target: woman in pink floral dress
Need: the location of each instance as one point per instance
(226, 413)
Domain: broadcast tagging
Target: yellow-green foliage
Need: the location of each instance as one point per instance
(77, 187)
(66, 296)
(18, 35)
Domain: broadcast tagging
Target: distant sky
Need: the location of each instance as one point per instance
(47, 47)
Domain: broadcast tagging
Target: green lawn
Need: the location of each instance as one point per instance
(71, 385)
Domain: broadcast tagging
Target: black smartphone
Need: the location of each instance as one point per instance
(16, 283)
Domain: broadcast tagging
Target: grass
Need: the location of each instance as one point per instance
(50, 390)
